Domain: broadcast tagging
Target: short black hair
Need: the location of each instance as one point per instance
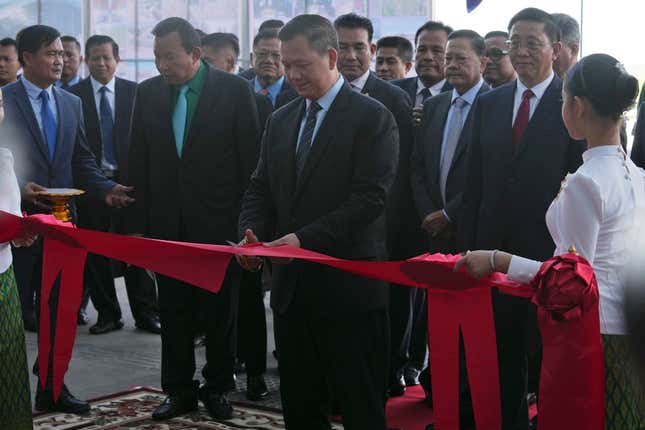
(476, 41)
(538, 15)
(275, 24)
(185, 30)
(602, 80)
(352, 20)
(72, 39)
(319, 32)
(8, 41)
(496, 33)
(100, 39)
(222, 40)
(403, 46)
(263, 35)
(200, 33)
(432, 26)
(31, 39)
(569, 27)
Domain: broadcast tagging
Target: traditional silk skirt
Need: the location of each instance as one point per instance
(623, 392)
(15, 402)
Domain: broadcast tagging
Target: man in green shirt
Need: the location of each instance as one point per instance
(195, 139)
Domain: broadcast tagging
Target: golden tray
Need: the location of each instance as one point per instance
(60, 198)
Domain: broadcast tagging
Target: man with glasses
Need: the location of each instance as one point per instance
(269, 78)
(518, 154)
(499, 69)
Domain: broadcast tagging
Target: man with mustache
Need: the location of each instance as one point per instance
(499, 69)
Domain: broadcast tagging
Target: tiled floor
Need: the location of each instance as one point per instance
(113, 362)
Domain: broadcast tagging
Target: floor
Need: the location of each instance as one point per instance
(116, 361)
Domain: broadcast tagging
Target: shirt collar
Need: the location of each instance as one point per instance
(75, 80)
(273, 89)
(435, 89)
(96, 85)
(33, 91)
(539, 89)
(361, 81)
(470, 95)
(603, 151)
(328, 98)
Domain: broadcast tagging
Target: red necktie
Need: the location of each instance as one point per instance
(264, 92)
(522, 118)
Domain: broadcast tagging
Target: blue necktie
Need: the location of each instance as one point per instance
(107, 128)
(48, 123)
(179, 118)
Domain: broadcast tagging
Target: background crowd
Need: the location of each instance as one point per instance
(312, 148)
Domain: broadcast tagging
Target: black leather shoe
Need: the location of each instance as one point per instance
(397, 387)
(82, 318)
(30, 323)
(66, 403)
(102, 327)
(216, 404)
(149, 324)
(256, 388)
(411, 376)
(175, 405)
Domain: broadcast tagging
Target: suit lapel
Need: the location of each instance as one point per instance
(62, 107)
(205, 109)
(435, 137)
(548, 112)
(368, 88)
(325, 134)
(293, 126)
(461, 145)
(24, 105)
(122, 114)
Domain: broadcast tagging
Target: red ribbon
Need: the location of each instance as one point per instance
(455, 302)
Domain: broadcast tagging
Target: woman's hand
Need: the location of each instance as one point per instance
(24, 238)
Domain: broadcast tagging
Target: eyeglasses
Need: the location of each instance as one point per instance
(264, 55)
(531, 45)
(496, 54)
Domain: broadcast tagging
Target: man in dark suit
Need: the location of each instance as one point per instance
(393, 57)
(221, 51)
(430, 41)
(438, 163)
(403, 225)
(269, 25)
(107, 109)
(45, 131)
(72, 63)
(519, 152)
(321, 184)
(194, 147)
(269, 79)
(499, 70)
(9, 64)
(251, 321)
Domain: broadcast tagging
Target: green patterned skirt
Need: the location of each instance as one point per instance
(15, 402)
(623, 392)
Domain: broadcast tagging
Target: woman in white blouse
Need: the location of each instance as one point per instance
(15, 407)
(600, 210)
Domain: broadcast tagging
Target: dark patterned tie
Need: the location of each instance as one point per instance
(425, 95)
(307, 136)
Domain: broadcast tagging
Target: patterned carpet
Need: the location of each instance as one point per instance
(132, 410)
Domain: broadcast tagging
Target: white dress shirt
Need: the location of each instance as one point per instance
(434, 90)
(600, 210)
(110, 94)
(359, 83)
(538, 92)
(9, 200)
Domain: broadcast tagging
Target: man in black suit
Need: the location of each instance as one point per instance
(321, 184)
(45, 131)
(519, 152)
(439, 156)
(194, 147)
(221, 51)
(430, 41)
(269, 79)
(251, 320)
(499, 70)
(269, 25)
(403, 225)
(107, 109)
